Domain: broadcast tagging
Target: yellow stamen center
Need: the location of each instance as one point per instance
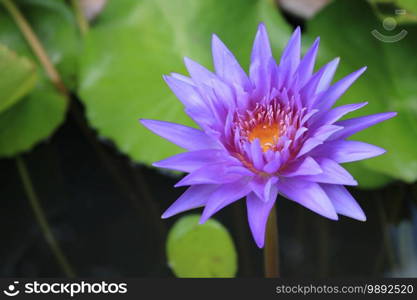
(267, 134)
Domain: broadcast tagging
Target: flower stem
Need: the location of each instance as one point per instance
(271, 251)
(36, 45)
(81, 19)
(41, 219)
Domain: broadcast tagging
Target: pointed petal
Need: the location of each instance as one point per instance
(258, 213)
(226, 65)
(343, 151)
(193, 197)
(343, 201)
(223, 196)
(210, 174)
(308, 92)
(186, 93)
(223, 95)
(306, 66)
(328, 73)
(191, 161)
(335, 114)
(332, 173)
(291, 55)
(257, 185)
(183, 136)
(260, 71)
(270, 190)
(308, 194)
(256, 154)
(309, 145)
(273, 165)
(307, 166)
(329, 98)
(321, 135)
(183, 78)
(198, 73)
(351, 126)
(261, 50)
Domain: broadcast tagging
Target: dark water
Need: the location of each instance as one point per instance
(105, 213)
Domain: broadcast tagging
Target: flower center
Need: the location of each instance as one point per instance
(268, 135)
(267, 123)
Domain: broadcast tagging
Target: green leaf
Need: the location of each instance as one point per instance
(135, 42)
(21, 77)
(31, 120)
(205, 250)
(401, 11)
(39, 113)
(368, 179)
(54, 24)
(389, 84)
(409, 5)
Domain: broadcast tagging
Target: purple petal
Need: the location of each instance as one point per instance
(183, 136)
(260, 69)
(183, 78)
(308, 92)
(309, 145)
(191, 161)
(226, 65)
(193, 197)
(335, 114)
(274, 164)
(354, 125)
(258, 213)
(198, 73)
(270, 190)
(257, 185)
(332, 173)
(256, 154)
(217, 104)
(328, 71)
(308, 194)
(343, 201)
(305, 69)
(186, 93)
(210, 174)
(264, 188)
(223, 196)
(261, 50)
(343, 151)
(321, 134)
(290, 58)
(223, 93)
(307, 166)
(330, 96)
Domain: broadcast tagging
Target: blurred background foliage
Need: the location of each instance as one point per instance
(76, 76)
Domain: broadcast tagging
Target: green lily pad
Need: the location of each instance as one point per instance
(368, 179)
(21, 77)
(31, 120)
(54, 24)
(389, 84)
(394, 13)
(205, 250)
(135, 42)
(409, 5)
(37, 115)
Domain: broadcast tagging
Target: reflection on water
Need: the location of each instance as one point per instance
(404, 239)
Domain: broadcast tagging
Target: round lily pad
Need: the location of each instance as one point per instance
(201, 250)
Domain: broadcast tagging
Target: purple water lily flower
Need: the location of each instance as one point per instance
(272, 132)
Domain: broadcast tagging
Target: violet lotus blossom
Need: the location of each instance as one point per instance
(272, 132)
